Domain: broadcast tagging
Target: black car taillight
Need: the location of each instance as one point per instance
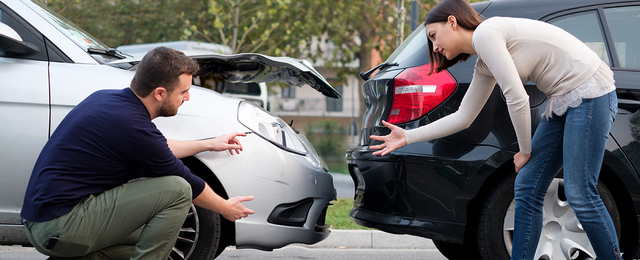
(415, 94)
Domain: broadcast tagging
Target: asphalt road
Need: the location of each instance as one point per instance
(302, 252)
(343, 184)
(292, 252)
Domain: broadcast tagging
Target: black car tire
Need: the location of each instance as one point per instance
(199, 236)
(454, 251)
(495, 239)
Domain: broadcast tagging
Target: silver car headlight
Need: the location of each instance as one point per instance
(277, 132)
(270, 127)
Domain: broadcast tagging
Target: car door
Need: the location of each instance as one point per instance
(622, 22)
(612, 32)
(24, 114)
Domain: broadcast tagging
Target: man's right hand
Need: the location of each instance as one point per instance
(231, 209)
(236, 210)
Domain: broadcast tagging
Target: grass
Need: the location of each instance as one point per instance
(338, 215)
(338, 167)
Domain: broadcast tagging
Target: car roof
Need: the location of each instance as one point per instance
(536, 9)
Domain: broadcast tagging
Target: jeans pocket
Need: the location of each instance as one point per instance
(613, 103)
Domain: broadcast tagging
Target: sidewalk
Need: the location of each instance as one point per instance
(341, 238)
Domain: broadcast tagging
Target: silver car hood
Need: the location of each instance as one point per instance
(254, 67)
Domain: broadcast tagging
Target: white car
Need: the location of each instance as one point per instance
(48, 65)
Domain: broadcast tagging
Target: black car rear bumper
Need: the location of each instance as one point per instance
(437, 230)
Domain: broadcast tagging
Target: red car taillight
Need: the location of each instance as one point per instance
(415, 94)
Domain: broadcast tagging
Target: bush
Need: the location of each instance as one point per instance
(329, 138)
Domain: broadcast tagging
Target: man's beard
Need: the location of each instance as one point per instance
(166, 110)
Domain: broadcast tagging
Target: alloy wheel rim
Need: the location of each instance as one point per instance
(188, 236)
(562, 234)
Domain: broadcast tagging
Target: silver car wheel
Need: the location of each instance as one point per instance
(562, 234)
(188, 236)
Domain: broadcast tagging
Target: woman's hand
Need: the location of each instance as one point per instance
(520, 160)
(392, 141)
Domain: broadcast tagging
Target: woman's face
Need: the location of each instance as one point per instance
(444, 39)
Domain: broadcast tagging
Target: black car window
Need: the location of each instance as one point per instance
(585, 26)
(625, 30)
(249, 88)
(414, 51)
(26, 32)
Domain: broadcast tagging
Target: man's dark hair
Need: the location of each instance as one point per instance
(161, 67)
(467, 18)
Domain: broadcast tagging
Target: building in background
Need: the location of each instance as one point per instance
(310, 111)
(305, 106)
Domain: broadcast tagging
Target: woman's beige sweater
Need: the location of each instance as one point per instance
(511, 52)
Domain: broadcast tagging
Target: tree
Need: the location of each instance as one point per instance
(358, 30)
(120, 22)
(244, 25)
(264, 26)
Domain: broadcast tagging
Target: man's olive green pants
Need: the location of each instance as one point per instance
(137, 220)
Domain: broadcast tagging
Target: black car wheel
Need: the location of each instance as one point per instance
(199, 236)
(454, 251)
(562, 235)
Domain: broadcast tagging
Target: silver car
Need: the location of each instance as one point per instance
(48, 65)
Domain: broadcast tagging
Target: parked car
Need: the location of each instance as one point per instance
(48, 65)
(458, 190)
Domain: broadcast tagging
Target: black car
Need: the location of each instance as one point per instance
(458, 190)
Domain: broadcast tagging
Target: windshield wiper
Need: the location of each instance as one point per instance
(381, 66)
(108, 52)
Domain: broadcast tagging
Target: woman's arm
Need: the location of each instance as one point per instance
(477, 95)
(491, 45)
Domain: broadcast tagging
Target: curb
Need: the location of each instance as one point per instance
(344, 238)
(340, 238)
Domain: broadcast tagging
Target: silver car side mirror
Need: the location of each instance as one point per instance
(11, 44)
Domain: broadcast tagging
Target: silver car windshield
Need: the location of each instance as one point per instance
(83, 39)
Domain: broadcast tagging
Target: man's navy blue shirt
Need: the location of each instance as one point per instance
(101, 144)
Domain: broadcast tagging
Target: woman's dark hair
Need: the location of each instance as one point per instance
(467, 18)
(161, 67)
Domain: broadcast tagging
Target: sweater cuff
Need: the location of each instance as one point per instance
(411, 136)
(197, 185)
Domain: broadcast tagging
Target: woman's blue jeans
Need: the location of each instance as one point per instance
(575, 141)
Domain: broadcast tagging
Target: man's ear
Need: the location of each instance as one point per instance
(159, 93)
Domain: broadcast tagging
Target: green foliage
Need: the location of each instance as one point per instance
(272, 27)
(119, 22)
(338, 166)
(356, 29)
(244, 25)
(328, 138)
(338, 215)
